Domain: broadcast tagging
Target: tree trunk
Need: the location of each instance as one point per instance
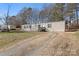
(77, 15)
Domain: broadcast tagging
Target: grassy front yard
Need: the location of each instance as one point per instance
(12, 38)
(77, 34)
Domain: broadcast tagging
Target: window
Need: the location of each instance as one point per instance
(38, 26)
(30, 26)
(24, 26)
(49, 25)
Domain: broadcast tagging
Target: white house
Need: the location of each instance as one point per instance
(2, 27)
(5, 26)
(49, 26)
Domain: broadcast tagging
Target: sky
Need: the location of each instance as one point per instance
(16, 7)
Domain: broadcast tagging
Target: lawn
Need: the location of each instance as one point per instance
(7, 38)
(75, 35)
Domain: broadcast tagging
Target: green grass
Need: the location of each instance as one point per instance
(8, 38)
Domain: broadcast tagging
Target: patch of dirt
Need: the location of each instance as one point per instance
(62, 45)
(49, 44)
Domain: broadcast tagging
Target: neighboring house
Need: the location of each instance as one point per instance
(49, 26)
(5, 27)
(2, 27)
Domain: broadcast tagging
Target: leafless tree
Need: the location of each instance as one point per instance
(23, 15)
(6, 18)
(12, 20)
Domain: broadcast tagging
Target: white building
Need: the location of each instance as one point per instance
(50, 26)
(5, 27)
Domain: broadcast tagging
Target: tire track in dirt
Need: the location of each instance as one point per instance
(14, 48)
(34, 45)
(61, 45)
(45, 49)
(52, 36)
(18, 49)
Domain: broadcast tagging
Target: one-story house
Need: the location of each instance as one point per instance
(48, 26)
(4, 27)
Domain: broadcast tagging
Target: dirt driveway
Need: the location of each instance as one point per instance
(48, 44)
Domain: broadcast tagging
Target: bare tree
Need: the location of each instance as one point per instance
(12, 20)
(23, 15)
(69, 10)
(6, 18)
